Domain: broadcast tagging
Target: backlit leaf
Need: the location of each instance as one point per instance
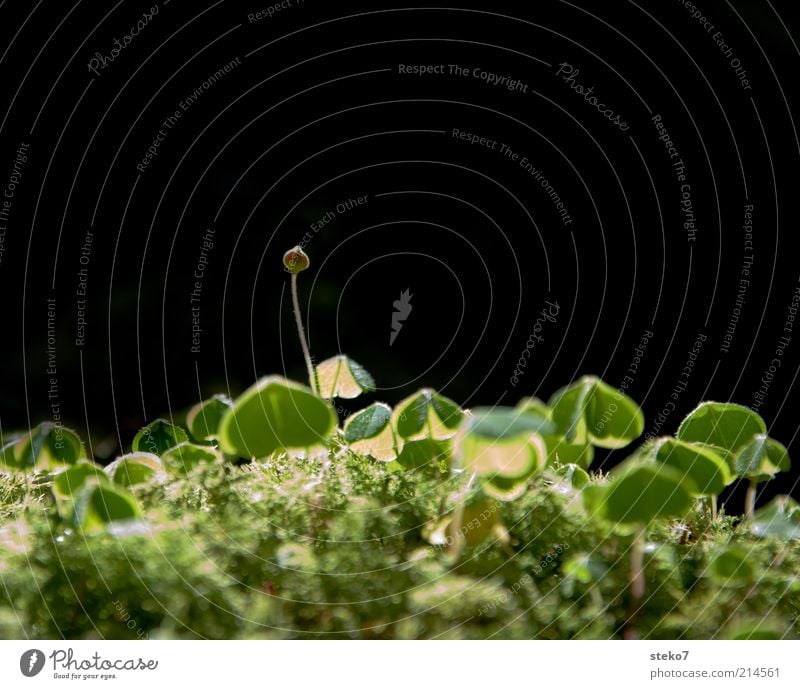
(276, 414)
(640, 492)
(725, 425)
(158, 437)
(419, 453)
(47, 446)
(516, 458)
(68, 482)
(780, 519)
(370, 432)
(504, 488)
(135, 468)
(427, 414)
(184, 458)
(589, 410)
(368, 422)
(560, 450)
(100, 504)
(575, 475)
(707, 469)
(204, 418)
(503, 423)
(761, 458)
(340, 376)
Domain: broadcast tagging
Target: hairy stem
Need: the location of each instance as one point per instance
(750, 500)
(301, 331)
(713, 507)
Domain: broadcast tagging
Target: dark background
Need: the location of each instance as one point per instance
(308, 121)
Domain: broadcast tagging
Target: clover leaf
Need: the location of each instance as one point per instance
(99, 505)
(275, 414)
(591, 411)
(427, 414)
(47, 446)
(640, 492)
(204, 417)
(761, 458)
(158, 436)
(778, 519)
(182, 459)
(706, 467)
(723, 424)
(370, 432)
(340, 376)
(135, 468)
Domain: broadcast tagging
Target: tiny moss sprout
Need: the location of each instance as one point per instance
(295, 261)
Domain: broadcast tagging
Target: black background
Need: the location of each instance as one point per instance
(317, 113)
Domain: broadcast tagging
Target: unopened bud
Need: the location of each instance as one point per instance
(296, 260)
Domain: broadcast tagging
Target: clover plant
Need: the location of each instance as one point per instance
(484, 471)
(739, 435)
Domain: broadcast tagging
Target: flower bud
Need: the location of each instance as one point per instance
(296, 260)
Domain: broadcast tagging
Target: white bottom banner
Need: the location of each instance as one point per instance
(402, 664)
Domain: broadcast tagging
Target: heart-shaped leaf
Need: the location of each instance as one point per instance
(69, 481)
(761, 458)
(708, 470)
(419, 453)
(723, 424)
(157, 437)
(184, 458)
(340, 376)
(370, 432)
(504, 488)
(559, 449)
(427, 414)
(502, 445)
(516, 458)
(640, 492)
(575, 475)
(780, 519)
(534, 404)
(505, 423)
(135, 468)
(568, 407)
(276, 414)
(589, 410)
(479, 521)
(204, 418)
(100, 505)
(368, 423)
(47, 446)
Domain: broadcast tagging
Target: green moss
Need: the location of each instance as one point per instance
(336, 548)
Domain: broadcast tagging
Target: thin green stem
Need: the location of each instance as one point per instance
(458, 520)
(750, 500)
(637, 565)
(713, 507)
(301, 331)
(637, 583)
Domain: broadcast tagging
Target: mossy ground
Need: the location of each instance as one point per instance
(302, 548)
